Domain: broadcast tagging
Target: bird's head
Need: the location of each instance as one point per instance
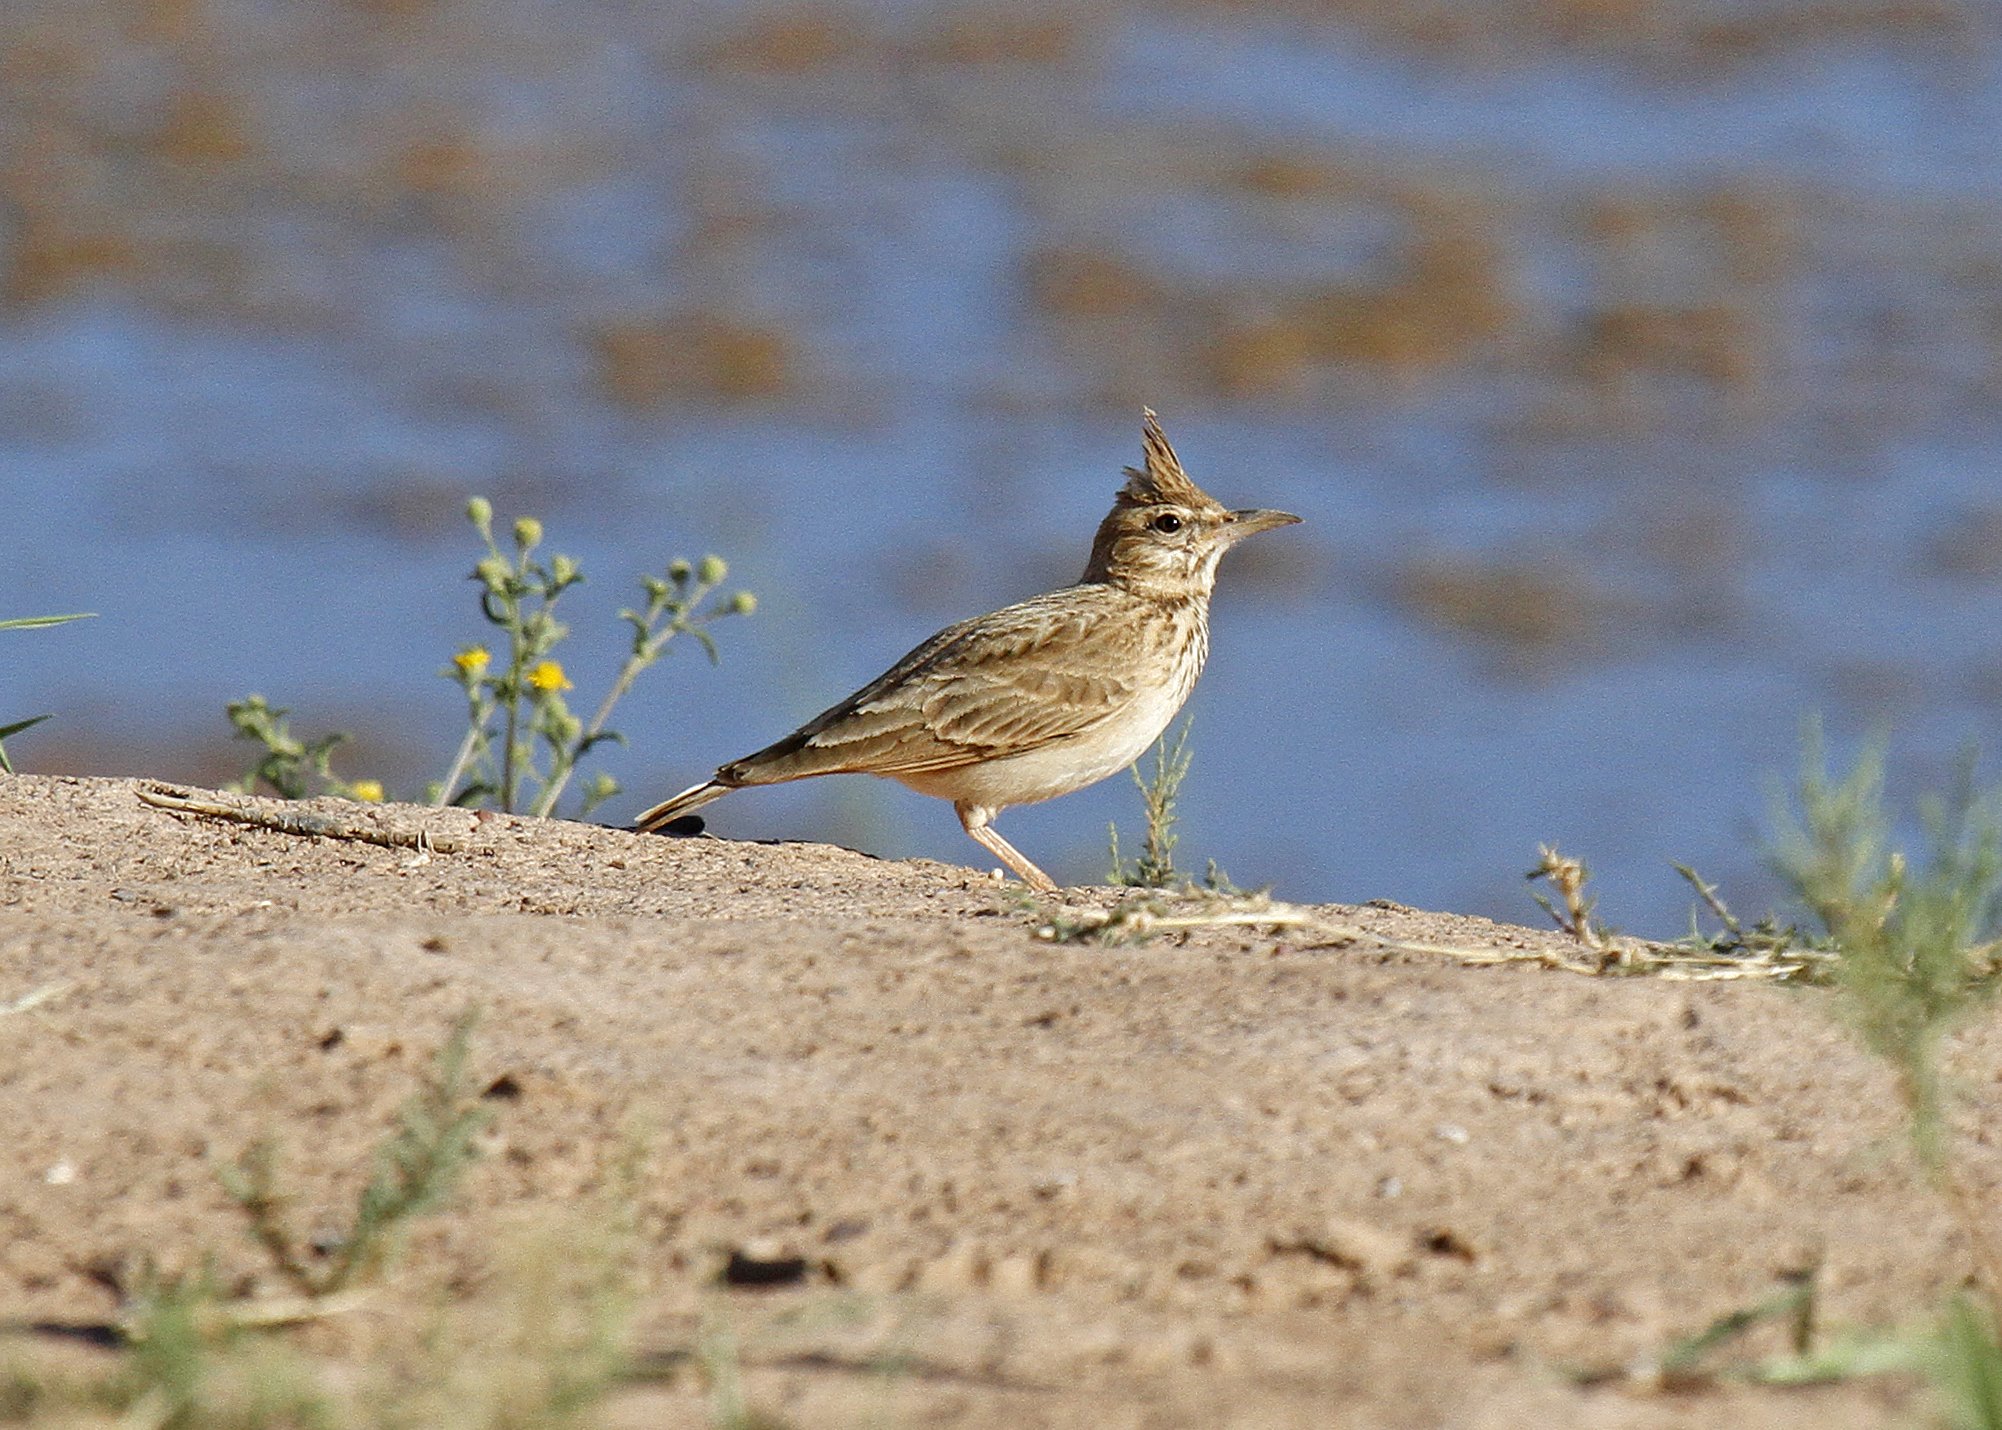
(1164, 534)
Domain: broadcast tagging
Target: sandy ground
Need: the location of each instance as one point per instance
(1234, 1178)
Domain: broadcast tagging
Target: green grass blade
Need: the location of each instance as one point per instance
(24, 623)
(1968, 1369)
(1682, 1358)
(7, 731)
(1850, 1357)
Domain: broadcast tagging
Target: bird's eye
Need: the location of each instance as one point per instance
(1167, 521)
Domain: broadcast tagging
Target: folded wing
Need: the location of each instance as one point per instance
(1007, 683)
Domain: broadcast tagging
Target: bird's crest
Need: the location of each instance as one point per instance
(1161, 479)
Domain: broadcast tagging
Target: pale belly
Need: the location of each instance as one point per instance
(1058, 768)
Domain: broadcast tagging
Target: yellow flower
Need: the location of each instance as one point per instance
(367, 791)
(548, 676)
(473, 659)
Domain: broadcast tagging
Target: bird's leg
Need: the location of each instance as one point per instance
(977, 820)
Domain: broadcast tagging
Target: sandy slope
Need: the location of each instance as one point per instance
(1234, 1179)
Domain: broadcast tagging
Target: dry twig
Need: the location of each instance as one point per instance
(304, 823)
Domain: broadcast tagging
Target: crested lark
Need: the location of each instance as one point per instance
(1041, 698)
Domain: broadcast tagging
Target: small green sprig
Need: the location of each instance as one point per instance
(1159, 792)
(1917, 938)
(674, 606)
(292, 767)
(1918, 941)
(416, 1168)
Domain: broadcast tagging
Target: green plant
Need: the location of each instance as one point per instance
(416, 1169)
(292, 767)
(28, 623)
(200, 1357)
(171, 1327)
(546, 1338)
(193, 1364)
(1794, 1305)
(535, 1339)
(523, 744)
(1910, 948)
(515, 710)
(1915, 941)
(1159, 791)
(1917, 944)
(1966, 1365)
(1765, 944)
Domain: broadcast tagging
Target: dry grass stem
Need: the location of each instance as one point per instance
(304, 824)
(1138, 919)
(219, 1318)
(36, 997)
(1568, 877)
(1626, 957)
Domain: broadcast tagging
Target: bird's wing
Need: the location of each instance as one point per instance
(1022, 678)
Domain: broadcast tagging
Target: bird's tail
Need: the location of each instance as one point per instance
(687, 802)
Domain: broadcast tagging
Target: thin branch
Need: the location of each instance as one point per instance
(304, 824)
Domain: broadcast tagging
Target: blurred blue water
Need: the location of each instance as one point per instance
(262, 494)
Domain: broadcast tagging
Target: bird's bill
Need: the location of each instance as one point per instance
(1250, 523)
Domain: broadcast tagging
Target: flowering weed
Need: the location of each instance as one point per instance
(292, 767)
(523, 743)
